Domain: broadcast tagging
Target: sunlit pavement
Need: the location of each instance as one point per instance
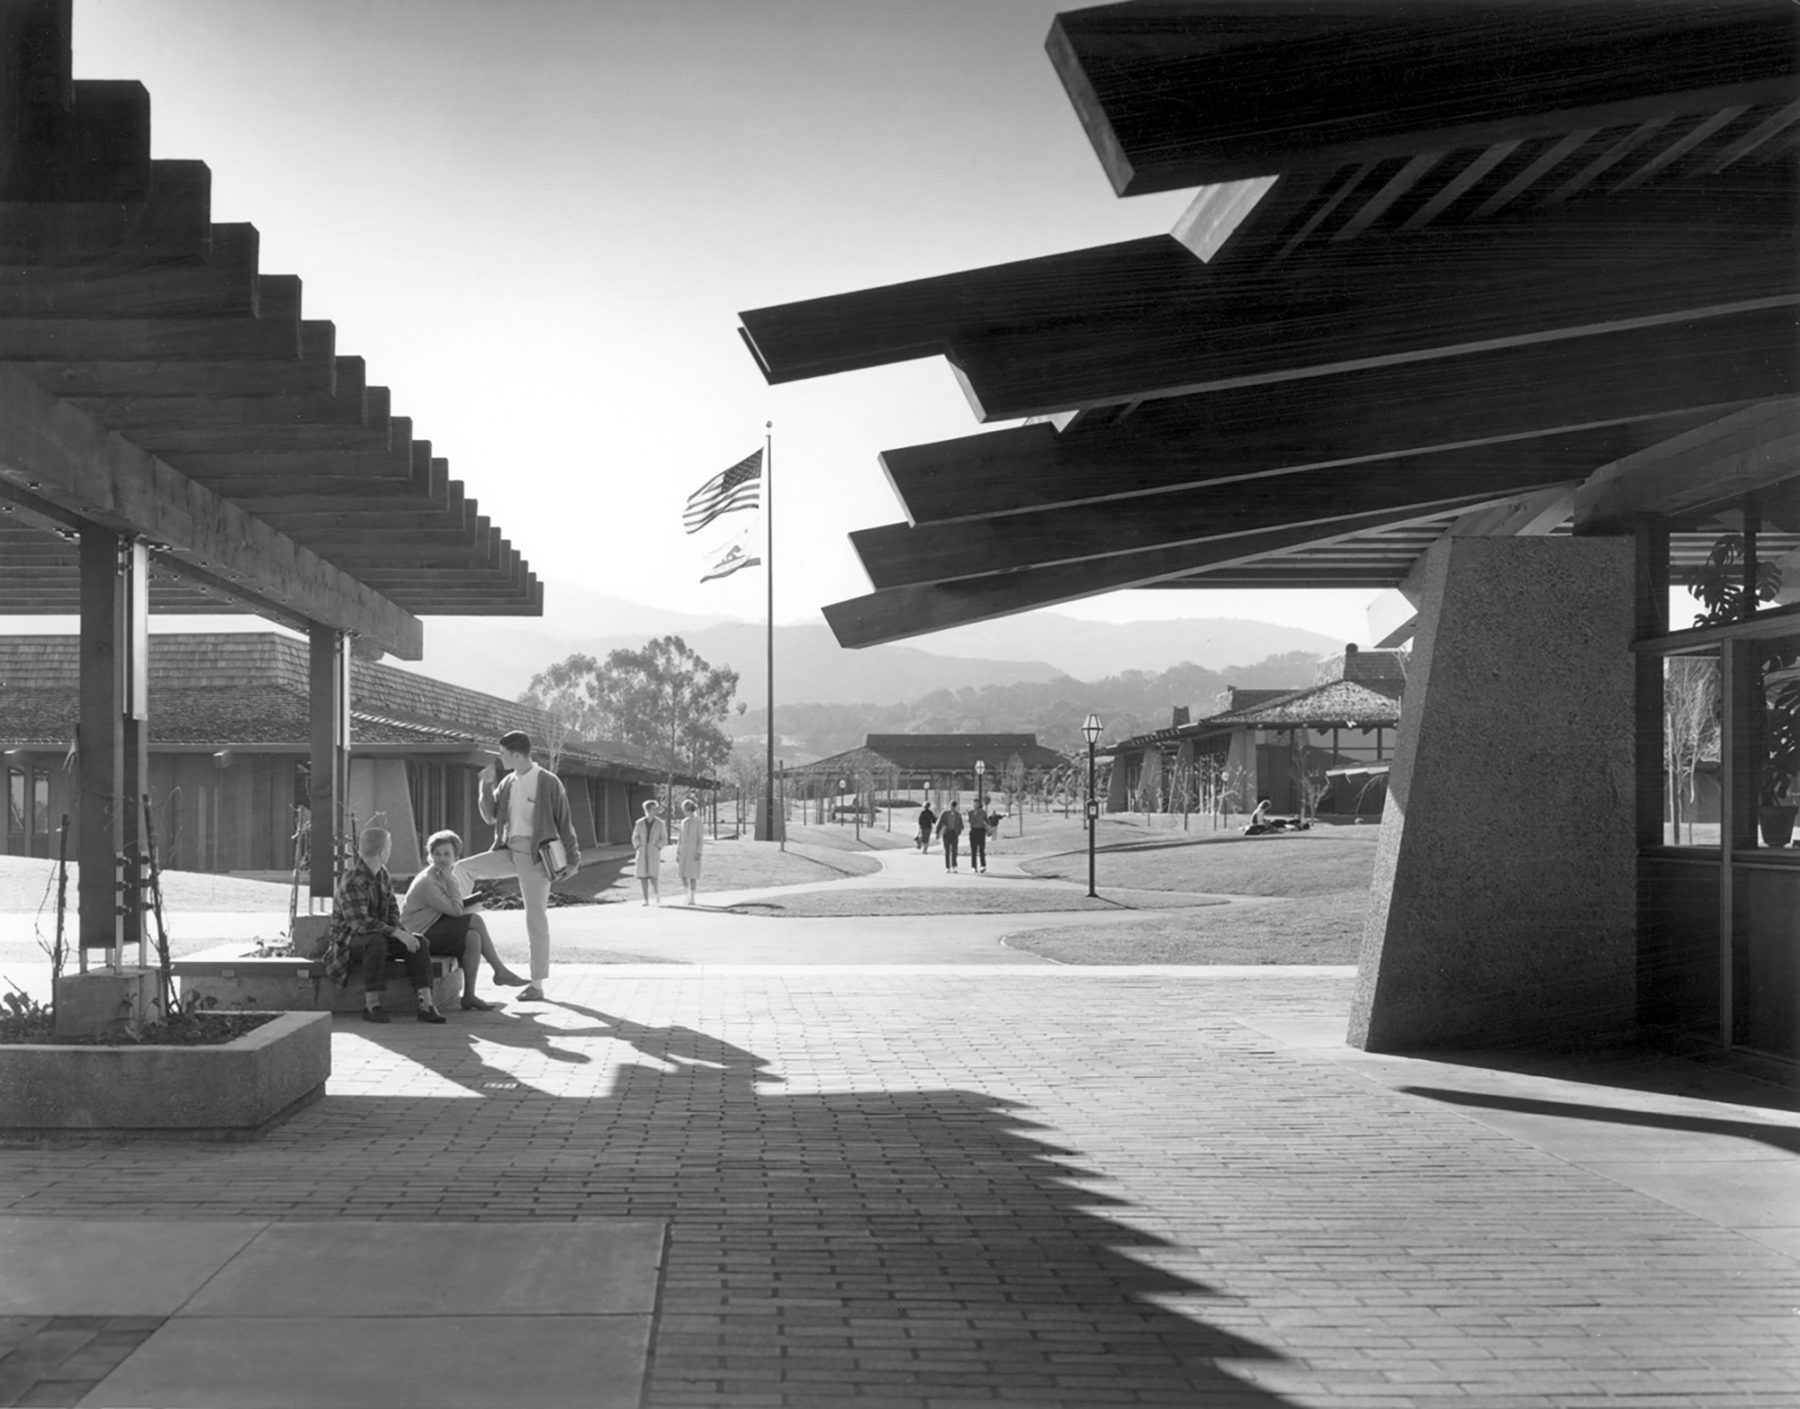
(964, 1178)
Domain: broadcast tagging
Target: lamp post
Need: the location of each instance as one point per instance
(1090, 730)
(980, 770)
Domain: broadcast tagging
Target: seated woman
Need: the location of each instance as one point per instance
(435, 909)
(1262, 820)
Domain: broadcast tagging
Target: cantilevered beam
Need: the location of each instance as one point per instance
(1353, 416)
(58, 453)
(1712, 464)
(1183, 93)
(900, 612)
(897, 556)
(1627, 263)
(1028, 340)
(922, 317)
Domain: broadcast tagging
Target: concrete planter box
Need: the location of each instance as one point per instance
(237, 1088)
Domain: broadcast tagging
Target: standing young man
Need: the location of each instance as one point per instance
(527, 808)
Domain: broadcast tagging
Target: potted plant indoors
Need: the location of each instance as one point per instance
(1719, 585)
(1779, 794)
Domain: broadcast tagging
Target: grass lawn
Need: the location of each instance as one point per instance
(1011, 899)
(1312, 929)
(1317, 882)
(1319, 862)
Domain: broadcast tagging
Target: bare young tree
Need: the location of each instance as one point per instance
(1691, 723)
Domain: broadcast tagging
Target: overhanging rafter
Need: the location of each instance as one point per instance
(54, 452)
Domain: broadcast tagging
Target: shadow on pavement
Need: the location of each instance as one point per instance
(927, 1244)
(1779, 1136)
(1630, 1067)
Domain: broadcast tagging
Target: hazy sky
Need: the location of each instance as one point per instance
(538, 219)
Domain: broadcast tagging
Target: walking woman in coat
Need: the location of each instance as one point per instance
(648, 838)
(687, 847)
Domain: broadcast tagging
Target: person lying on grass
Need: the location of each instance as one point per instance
(436, 908)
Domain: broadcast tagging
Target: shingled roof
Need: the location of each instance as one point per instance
(1339, 703)
(230, 689)
(936, 753)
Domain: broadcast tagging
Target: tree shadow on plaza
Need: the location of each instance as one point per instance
(899, 1245)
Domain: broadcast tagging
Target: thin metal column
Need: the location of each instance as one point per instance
(1728, 788)
(134, 740)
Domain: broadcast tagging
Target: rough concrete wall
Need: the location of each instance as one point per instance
(1503, 905)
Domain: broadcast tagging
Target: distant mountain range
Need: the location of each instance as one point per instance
(500, 656)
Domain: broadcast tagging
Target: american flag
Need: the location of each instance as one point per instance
(740, 487)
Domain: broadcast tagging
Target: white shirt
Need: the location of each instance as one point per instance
(522, 817)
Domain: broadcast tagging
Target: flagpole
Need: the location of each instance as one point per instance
(769, 573)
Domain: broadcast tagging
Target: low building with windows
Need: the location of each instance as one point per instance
(929, 767)
(228, 753)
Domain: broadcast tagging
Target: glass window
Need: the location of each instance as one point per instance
(40, 813)
(1692, 733)
(18, 830)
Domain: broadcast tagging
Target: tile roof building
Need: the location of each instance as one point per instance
(1316, 751)
(228, 751)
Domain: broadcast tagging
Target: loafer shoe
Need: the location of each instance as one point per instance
(375, 1015)
(531, 993)
(509, 980)
(431, 1015)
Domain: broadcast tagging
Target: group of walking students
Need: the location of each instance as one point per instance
(949, 828)
(534, 843)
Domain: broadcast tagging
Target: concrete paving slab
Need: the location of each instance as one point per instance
(1731, 1193)
(141, 1267)
(1785, 1240)
(599, 1268)
(400, 1362)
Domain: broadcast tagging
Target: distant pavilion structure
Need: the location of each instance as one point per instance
(936, 766)
(1318, 751)
(178, 436)
(1493, 307)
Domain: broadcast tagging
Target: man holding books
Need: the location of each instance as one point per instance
(534, 840)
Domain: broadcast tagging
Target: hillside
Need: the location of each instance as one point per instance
(1134, 702)
(500, 656)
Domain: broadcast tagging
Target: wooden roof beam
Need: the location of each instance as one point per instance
(897, 556)
(1713, 464)
(896, 613)
(1180, 93)
(1356, 415)
(58, 452)
(223, 283)
(919, 318)
(1631, 262)
(396, 517)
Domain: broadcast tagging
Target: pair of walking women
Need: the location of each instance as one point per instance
(651, 835)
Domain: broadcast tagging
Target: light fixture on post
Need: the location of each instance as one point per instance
(1090, 730)
(980, 797)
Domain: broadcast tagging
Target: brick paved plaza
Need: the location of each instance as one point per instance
(963, 1184)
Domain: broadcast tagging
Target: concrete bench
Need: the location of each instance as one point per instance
(237, 977)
